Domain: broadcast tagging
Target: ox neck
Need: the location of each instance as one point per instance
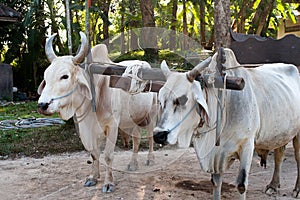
(202, 127)
(83, 109)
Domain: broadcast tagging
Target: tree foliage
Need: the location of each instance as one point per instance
(22, 43)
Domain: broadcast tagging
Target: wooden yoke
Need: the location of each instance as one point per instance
(156, 76)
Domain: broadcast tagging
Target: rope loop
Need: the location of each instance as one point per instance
(137, 84)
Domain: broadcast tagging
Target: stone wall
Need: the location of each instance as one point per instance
(6, 82)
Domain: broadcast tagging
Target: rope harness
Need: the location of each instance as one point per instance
(137, 84)
(186, 115)
(65, 95)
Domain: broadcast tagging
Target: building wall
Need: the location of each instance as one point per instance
(287, 27)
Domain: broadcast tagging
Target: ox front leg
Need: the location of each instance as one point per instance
(216, 180)
(136, 139)
(111, 138)
(95, 174)
(245, 155)
(275, 182)
(296, 144)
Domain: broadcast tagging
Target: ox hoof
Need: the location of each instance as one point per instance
(296, 193)
(132, 166)
(270, 190)
(107, 188)
(149, 163)
(90, 182)
(241, 188)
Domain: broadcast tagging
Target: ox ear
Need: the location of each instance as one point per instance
(41, 87)
(199, 97)
(84, 86)
(165, 68)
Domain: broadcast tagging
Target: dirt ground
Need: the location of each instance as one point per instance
(176, 175)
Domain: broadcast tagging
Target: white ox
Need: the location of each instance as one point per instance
(265, 115)
(66, 90)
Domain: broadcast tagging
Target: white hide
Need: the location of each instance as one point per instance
(114, 107)
(264, 115)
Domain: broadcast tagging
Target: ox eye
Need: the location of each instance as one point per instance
(64, 77)
(180, 101)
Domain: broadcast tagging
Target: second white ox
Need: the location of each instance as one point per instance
(265, 115)
(66, 90)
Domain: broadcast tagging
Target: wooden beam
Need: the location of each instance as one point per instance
(154, 86)
(107, 69)
(154, 74)
(120, 82)
(232, 83)
(157, 76)
(124, 84)
(143, 73)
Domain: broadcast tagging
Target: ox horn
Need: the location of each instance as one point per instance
(196, 71)
(83, 49)
(49, 49)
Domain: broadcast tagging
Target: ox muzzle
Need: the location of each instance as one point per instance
(43, 107)
(161, 137)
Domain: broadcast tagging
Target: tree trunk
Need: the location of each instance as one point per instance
(202, 23)
(263, 10)
(69, 30)
(264, 17)
(132, 25)
(172, 43)
(184, 22)
(210, 43)
(149, 40)
(105, 9)
(122, 28)
(192, 23)
(222, 23)
(239, 23)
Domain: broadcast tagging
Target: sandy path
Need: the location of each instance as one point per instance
(176, 175)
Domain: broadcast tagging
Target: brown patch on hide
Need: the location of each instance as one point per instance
(145, 121)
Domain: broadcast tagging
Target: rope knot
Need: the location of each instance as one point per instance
(137, 84)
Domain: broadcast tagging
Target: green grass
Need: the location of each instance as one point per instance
(19, 110)
(35, 142)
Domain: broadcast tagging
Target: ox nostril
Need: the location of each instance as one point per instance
(161, 137)
(43, 106)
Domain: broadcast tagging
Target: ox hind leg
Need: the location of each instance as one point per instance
(275, 182)
(136, 139)
(111, 138)
(150, 159)
(296, 144)
(125, 137)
